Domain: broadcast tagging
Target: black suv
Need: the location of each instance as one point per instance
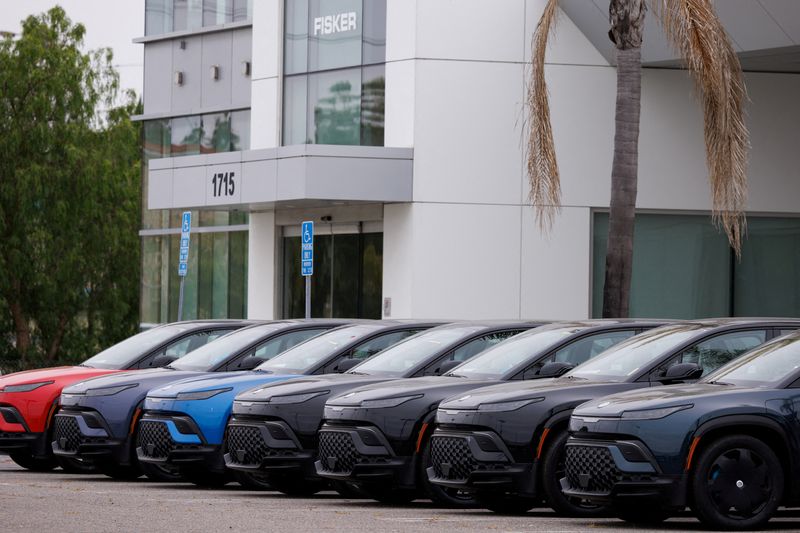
(378, 436)
(506, 442)
(272, 437)
(728, 446)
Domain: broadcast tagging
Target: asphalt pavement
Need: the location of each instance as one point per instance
(55, 501)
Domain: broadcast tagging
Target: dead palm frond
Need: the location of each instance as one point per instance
(542, 167)
(697, 34)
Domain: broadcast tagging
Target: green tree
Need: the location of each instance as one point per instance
(69, 196)
(697, 34)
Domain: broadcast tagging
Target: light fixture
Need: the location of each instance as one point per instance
(178, 78)
(182, 45)
(245, 68)
(214, 70)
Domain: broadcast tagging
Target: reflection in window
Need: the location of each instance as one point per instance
(216, 133)
(186, 134)
(334, 34)
(187, 15)
(242, 10)
(157, 138)
(217, 12)
(294, 110)
(335, 99)
(157, 17)
(164, 16)
(207, 134)
(373, 105)
(240, 131)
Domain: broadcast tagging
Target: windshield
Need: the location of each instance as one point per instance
(306, 356)
(513, 353)
(207, 357)
(627, 359)
(402, 357)
(765, 366)
(128, 351)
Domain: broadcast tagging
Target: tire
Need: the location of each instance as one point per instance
(443, 496)
(121, 472)
(737, 483)
(641, 515)
(207, 480)
(506, 504)
(251, 481)
(34, 464)
(155, 472)
(72, 465)
(553, 469)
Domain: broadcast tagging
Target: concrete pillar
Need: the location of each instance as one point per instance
(261, 292)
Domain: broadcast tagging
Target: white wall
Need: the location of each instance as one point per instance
(261, 266)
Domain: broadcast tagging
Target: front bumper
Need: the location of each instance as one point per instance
(266, 446)
(175, 440)
(362, 454)
(86, 435)
(620, 473)
(477, 461)
(16, 437)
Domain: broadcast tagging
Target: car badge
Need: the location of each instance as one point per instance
(240, 455)
(331, 462)
(603, 404)
(584, 479)
(150, 449)
(446, 467)
(62, 443)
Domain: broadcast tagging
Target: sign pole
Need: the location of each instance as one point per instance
(307, 259)
(183, 257)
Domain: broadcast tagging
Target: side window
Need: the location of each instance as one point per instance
(714, 352)
(587, 347)
(377, 344)
(785, 331)
(471, 348)
(276, 345)
(184, 345)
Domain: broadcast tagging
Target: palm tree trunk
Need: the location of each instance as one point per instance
(624, 173)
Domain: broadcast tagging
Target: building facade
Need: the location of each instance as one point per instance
(398, 127)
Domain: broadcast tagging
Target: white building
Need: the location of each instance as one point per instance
(398, 127)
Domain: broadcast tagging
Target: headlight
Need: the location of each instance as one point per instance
(388, 402)
(108, 391)
(653, 414)
(506, 406)
(202, 395)
(296, 398)
(26, 387)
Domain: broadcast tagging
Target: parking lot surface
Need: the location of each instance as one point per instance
(55, 501)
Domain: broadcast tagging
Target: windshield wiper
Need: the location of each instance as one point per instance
(353, 372)
(721, 383)
(262, 371)
(457, 376)
(574, 377)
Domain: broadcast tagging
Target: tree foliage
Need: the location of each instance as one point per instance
(69, 197)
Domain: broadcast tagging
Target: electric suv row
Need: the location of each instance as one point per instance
(640, 418)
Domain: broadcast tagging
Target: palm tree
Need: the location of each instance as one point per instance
(694, 30)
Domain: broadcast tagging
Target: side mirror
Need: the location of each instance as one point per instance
(249, 363)
(554, 369)
(446, 367)
(681, 372)
(346, 365)
(162, 360)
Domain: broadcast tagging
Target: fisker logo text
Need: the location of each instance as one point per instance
(335, 23)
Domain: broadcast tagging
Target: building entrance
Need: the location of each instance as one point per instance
(348, 272)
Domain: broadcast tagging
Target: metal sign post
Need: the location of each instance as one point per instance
(183, 256)
(307, 259)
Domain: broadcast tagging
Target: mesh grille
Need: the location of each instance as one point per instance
(337, 452)
(452, 459)
(246, 445)
(66, 433)
(154, 439)
(591, 469)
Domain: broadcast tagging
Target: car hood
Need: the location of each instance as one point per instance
(302, 385)
(434, 385)
(612, 406)
(515, 390)
(118, 378)
(235, 380)
(67, 373)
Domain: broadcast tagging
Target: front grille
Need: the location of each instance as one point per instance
(66, 433)
(246, 446)
(154, 439)
(591, 469)
(452, 458)
(337, 452)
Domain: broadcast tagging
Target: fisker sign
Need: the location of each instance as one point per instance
(339, 23)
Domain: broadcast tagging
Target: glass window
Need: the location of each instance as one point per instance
(151, 280)
(374, 50)
(335, 29)
(295, 98)
(278, 345)
(373, 346)
(125, 353)
(242, 10)
(207, 357)
(373, 105)
(216, 133)
(187, 15)
(478, 345)
(157, 17)
(765, 366)
(240, 131)
(334, 102)
(717, 351)
(217, 12)
(186, 135)
(296, 37)
(587, 347)
(156, 139)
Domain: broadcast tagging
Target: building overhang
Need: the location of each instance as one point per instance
(289, 176)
